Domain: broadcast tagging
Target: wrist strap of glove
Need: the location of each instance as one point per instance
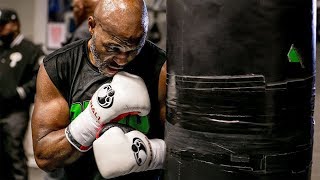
(158, 149)
(81, 131)
(74, 143)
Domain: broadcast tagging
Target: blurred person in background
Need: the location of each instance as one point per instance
(81, 9)
(19, 63)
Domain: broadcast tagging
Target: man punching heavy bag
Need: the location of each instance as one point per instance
(240, 89)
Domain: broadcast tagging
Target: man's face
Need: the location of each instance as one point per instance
(7, 31)
(112, 53)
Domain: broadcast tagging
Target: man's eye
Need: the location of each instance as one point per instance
(113, 49)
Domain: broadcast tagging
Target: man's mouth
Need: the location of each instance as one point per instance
(115, 68)
(110, 70)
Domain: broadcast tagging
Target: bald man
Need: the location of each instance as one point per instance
(107, 92)
(82, 10)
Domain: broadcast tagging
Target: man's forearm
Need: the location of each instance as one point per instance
(53, 151)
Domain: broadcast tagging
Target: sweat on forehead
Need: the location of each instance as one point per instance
(128, 11)
(126, 17)
(112, 5)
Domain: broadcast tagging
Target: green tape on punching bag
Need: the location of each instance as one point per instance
(240, 89)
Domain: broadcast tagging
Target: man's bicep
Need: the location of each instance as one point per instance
(49, 120)
(51, 111)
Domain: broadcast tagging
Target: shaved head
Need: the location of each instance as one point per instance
(127, 17)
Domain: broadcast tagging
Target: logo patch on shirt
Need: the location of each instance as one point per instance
(15, 58)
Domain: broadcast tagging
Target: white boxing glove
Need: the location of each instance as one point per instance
(126, 94)
(118, 153)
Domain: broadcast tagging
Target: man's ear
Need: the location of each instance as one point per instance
(91, 24)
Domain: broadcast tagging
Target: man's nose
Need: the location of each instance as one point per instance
(122, 58)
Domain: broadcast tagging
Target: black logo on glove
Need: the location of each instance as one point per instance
(105, 96)
(139, 151)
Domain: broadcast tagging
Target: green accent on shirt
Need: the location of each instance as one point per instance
(140, 123)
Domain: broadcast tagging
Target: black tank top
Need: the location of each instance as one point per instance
(77, 79)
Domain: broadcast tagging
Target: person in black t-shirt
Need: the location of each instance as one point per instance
(89, 92)
(19, 63)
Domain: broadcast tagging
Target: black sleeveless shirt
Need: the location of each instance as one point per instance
(77, 79)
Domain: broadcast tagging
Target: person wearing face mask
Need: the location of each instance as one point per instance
(19, 63)
(100, 103)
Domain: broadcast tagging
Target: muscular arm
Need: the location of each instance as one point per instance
(49, 120)
(163, 92)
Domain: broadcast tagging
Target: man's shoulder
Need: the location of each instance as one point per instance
(150, 46)
(148, 62)
(26, 44)
(67, 51)
(151, 51)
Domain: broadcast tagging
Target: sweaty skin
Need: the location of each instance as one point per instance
(119, 27)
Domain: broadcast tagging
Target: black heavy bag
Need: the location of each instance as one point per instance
(240, 89)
